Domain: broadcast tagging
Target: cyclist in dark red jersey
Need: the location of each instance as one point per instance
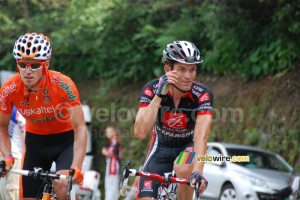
(179, 110)
(55, 126)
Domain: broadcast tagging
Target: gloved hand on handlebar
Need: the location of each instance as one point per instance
(163, 86)
(197, 176)
(78, 175)
(9, 162)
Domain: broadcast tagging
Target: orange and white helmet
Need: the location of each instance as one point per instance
(32, 46)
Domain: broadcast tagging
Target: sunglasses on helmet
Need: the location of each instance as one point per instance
(33, 66)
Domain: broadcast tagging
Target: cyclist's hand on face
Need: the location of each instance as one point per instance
(197, 176)
(78, 175)
(9, 162)
(165, 83)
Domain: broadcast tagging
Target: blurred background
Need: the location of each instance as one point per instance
(111, 48)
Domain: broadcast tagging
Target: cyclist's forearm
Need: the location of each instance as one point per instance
(79, 146)
(201, 134)
(5, 144)
(145, 118)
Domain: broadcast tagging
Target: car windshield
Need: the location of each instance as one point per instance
(259, 160)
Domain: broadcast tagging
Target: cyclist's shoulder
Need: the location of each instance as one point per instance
(55, 75)
(153, 84)
(200, 87)
(12, 84)
(60, 80)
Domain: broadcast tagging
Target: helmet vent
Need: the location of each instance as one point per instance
(33, 49)
(36, 41)
(182, 52)
(28, 52)
(24, 41)
(45, 48)
(39, 48)
(29, 44)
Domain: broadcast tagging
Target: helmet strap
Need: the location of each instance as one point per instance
(180, 89)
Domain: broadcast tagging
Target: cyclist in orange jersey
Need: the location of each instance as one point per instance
(49, 101)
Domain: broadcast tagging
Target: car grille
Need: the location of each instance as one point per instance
(266, 196)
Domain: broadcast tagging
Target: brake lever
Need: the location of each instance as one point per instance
(125, 173)
(2, 167)
(71, 173)
(197, 185)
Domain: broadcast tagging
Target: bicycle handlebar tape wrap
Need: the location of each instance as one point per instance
(78, 174)
(9, 162)
(163, 86)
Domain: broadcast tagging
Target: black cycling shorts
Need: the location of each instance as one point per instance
(160, 160)
(41, 151)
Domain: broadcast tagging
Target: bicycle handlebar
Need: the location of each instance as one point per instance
(40, 174)
(166, 178)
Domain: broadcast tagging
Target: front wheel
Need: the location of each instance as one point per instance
(228, 193)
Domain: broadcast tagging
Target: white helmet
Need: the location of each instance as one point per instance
(32, 46)
(183, 52)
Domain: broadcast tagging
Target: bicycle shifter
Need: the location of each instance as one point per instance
(71, 173)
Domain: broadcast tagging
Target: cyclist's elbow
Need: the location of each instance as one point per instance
(140, 132)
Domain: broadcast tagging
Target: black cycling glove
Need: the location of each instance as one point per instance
(198, 176)
(163, 86)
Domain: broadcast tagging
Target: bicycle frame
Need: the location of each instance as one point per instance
(165, 180)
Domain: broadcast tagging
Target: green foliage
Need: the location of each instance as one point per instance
(123, 40)
(253, 38)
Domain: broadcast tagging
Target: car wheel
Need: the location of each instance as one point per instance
(228, 193)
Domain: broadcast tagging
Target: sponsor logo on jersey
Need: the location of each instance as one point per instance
(25, 104)
(46, 119)
(204, 97)
(148, 92)
(198, 88)
(175, 121)
(45, 91)
(36, 111)
(198, 94)
(55, 80)
(46, 99)
(5, 92)
(147, 186)
(67, 88)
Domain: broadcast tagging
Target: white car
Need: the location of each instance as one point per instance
(265, 176)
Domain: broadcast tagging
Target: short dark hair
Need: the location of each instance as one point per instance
(170, 62)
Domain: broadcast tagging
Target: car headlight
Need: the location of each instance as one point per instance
(254, 180)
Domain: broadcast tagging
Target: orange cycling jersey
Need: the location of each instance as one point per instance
(47, 110)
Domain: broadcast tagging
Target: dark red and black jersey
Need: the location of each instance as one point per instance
(174, 127)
